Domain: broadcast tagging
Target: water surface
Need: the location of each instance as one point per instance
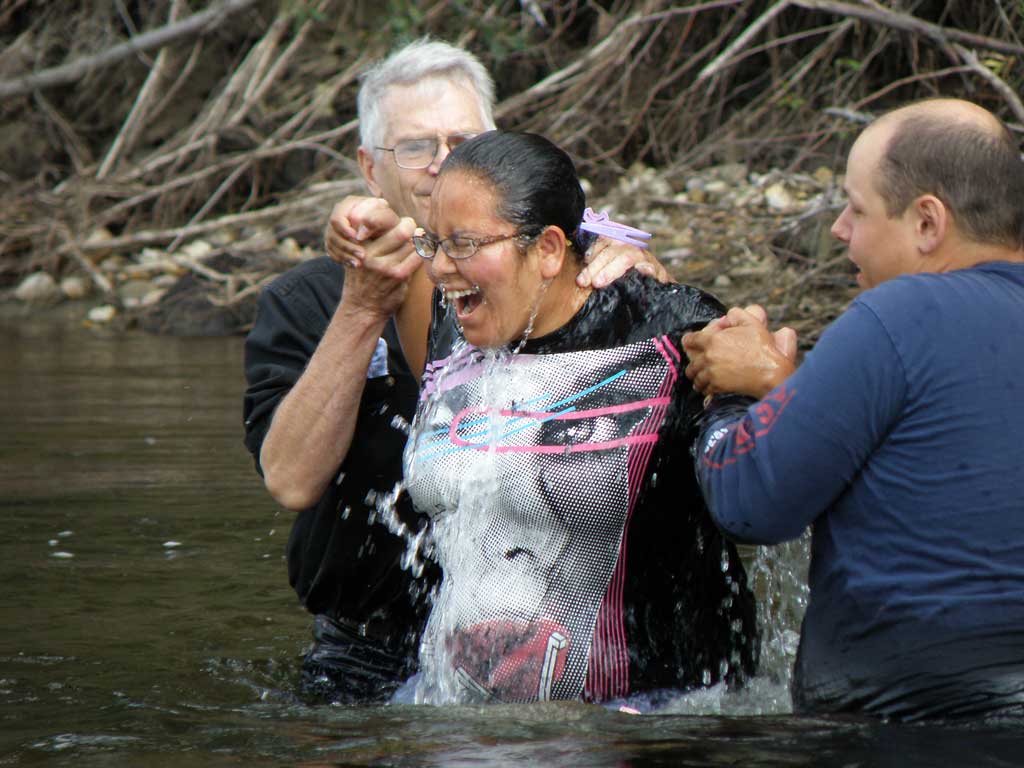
(147, 620)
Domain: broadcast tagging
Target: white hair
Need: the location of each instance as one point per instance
(418, 61)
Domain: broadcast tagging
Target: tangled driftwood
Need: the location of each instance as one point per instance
(239, 117)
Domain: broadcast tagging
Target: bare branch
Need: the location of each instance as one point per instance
(315, 200)
(723, 59)
(129, 130)
(986, 74)
(198, 23)
(908, 23)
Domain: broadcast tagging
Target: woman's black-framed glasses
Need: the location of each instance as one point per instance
(457, 248)
(417, 154)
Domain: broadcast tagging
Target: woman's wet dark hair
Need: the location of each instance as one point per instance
(535, 181)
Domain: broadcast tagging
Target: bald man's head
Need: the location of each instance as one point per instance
(948, 111)
(960, 153)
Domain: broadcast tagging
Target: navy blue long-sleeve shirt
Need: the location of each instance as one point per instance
(899, 441)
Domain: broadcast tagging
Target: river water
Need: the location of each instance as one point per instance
(146, 618)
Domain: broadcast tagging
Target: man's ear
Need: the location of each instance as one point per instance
(552, 250)
(368, 166)
(931, 223)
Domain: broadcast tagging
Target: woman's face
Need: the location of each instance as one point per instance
(497, 289)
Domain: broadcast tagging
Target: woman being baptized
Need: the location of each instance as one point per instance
(551, 450)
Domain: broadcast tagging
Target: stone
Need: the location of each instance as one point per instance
(165, 280)
(657, 186)
(778, 198)
(197, 249)
(75, 287)
(152, 256)
(138, 271)
(675, 254)
(152, 298)
(733, 173)
(716, 188)
(289, 249)
(223, 238)
(39, 287)
(114, 264)
(102, 314)
(823, 175)
(94, 243)
(135, 290)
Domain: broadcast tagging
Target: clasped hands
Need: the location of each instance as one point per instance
(374, 244)
(737, 353)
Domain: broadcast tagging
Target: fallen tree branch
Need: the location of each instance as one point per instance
(986, 74)
(909, 23)
(245, 293)
(724, 58)
(262, 153)
(128, 242)
(140, 109)
(198, 23)
(562, 80)
(896, 84)
(97, 277)
(211, 201)
(214, 113)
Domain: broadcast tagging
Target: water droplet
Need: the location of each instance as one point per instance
(399, 422)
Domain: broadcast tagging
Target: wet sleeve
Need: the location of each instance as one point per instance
(288, 327)
(769, 473)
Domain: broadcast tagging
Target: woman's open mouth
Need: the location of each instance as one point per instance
(465, 301)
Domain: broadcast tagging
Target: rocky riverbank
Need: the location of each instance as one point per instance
(747, 236)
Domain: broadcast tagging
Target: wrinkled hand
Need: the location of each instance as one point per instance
(374, 244)
(737, 353)
(608, 260)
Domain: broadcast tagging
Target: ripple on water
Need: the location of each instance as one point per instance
(64, 741)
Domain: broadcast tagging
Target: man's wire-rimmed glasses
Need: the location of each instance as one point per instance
(417, 154)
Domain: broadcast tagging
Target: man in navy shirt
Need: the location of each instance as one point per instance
(898, 438)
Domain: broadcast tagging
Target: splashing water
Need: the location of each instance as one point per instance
(777, 575)
(457, 539)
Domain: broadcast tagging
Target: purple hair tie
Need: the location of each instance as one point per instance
(600, 224)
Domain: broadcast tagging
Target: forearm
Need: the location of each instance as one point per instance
(312, 428)
(797, 451)
(742, 505)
